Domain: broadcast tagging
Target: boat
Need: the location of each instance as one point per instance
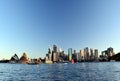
(33, 62)
(65, 63)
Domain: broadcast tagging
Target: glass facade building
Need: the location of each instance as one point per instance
(70, 54)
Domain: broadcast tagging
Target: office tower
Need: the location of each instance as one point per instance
(55, 57)
(75, 52)
(86, 52)
(96, 54)
(55, 48)
(54, 54)
(48, 58)
(70, 54)
(49, 50)
(49, 55)
(79, 56)
(82, 55)
(59, 52)
(75, 56)
(85, 55)
(91, 54)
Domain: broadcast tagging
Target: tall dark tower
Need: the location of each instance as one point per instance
(86, 51)
(54, 54)
(55, 48)
(49, 51)
(49, 54)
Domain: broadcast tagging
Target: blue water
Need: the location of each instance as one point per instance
(102, 71)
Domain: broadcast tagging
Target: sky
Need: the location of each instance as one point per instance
(31, 26)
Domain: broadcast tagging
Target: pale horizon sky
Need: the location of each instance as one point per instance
(32, 26)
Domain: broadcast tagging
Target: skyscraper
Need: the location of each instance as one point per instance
(86, 52)
(55, 57)
(49, 50)
(59, 52)
(55, 48)
(79, 56)
(70, 54)
(49, 54)
(75, 56)
(82, 55)
(91, 54)
(54, 54)
(96, 54)
(48, 58)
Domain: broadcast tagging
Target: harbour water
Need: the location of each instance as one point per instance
(97, 71)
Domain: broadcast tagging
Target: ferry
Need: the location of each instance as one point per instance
(33, 62)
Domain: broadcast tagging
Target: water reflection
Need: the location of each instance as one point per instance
(79, 71)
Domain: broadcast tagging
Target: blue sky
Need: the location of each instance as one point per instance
(32, 26)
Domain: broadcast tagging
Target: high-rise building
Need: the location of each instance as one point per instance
(49, 55)
(86, 52)
(70, 54)
(82, 55)
(59, 52)
(79, 56)
(54, 54)
(55, 57)
(96, 54)
(91, 54)
(55, 48)
(48, 58)
(85, 55)
(75, 52)
(75, 56)
(49, 51)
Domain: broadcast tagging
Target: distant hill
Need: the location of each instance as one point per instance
(115, 57)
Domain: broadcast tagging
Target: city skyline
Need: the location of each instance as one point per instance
(85, 52)
(30, 26)
(56, 56)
